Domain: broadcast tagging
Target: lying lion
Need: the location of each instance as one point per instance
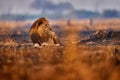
(41, 32)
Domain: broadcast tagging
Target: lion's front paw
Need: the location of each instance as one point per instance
(56, 45)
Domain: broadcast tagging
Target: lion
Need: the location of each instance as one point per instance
(41, 32)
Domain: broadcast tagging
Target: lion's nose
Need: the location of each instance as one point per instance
(50, 28)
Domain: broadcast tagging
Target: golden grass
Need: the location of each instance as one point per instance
(72, 61)
(62, 63)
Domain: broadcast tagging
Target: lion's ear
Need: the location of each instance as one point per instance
(38, 24)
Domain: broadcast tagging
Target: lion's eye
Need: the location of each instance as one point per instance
(46, 24)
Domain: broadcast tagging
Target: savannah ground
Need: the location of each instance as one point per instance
(19, 60)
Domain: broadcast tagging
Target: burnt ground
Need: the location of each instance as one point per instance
(85, 37)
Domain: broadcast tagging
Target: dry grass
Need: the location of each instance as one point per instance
(72, 61)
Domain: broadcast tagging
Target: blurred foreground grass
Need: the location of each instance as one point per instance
(70, 62)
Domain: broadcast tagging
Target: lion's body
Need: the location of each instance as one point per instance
(41, 32)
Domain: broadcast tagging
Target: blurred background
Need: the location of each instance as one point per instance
(58, 9)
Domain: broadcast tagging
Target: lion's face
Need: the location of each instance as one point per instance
(45, 26)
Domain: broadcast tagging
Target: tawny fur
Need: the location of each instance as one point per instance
(41, 32)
